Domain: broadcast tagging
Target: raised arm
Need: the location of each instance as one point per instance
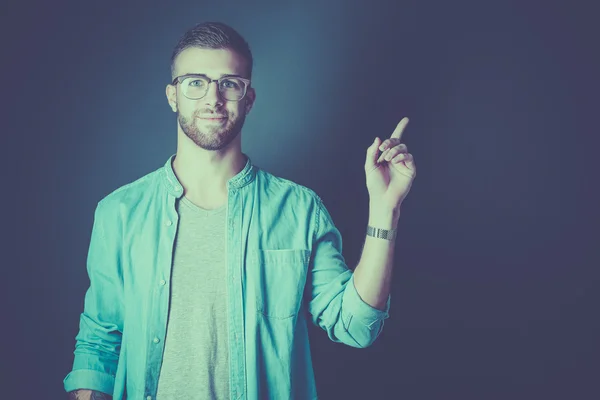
(334, 303)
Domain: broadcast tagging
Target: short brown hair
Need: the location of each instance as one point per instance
(213, 35)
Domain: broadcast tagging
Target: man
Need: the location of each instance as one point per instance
(204, 273)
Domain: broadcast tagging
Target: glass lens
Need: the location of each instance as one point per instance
(230, 88)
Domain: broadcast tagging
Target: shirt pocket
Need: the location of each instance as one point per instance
(281, 280)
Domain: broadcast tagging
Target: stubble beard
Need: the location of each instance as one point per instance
(213, 137)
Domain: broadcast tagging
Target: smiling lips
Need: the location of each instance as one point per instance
(212, 117)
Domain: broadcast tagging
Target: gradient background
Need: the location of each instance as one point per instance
(495, 291)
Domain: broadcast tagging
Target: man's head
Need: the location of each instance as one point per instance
(213, 50)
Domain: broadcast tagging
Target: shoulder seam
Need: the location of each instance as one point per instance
(138, 181)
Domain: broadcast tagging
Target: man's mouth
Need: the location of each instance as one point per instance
(212, 117)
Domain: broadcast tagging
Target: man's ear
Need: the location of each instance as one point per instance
(171, 97)
(251, 99)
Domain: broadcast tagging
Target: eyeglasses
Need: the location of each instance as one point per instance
(195, 86)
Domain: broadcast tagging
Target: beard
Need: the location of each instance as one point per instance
(211, 137)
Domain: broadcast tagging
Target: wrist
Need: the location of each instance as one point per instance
(383, 217)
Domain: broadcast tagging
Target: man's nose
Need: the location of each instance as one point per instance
(213, 96)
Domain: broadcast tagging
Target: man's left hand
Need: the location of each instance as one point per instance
(390, 174)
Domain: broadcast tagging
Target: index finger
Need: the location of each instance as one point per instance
(400, 128)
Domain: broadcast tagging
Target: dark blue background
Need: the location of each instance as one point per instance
(495, 291)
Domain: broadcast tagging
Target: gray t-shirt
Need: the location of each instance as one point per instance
(196, 356)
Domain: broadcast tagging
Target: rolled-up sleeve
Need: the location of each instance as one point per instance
(334, 303)
(98, 342)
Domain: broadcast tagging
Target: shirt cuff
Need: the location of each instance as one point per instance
(353, 304)
(89, 379)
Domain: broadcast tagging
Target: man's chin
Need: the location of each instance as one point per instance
(212, 127)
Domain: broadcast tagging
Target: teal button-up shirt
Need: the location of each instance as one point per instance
(284, 266)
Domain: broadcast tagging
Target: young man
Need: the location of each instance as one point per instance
(205, 272)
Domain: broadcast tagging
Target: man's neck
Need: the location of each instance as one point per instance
(204, 174)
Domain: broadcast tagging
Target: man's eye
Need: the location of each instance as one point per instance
(231, 84)
(197, 83)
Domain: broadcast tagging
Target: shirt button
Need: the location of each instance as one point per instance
(162, 282)
(169, 223)
(156, 340)
(149, 398)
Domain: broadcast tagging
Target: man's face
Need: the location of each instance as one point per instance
(211, 122)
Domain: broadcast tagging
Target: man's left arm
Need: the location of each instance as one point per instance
(333, 300)
(351, 306)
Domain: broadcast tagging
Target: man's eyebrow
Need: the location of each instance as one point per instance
(222, 75)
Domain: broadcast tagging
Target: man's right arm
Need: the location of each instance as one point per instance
(98, 343)
(85, 394)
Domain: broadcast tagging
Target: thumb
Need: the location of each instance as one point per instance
(372, 154)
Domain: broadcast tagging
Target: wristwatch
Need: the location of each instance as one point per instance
(388, 234)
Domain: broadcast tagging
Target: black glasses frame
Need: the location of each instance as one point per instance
(181, 78)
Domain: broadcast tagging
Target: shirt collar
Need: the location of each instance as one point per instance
(241, 179)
